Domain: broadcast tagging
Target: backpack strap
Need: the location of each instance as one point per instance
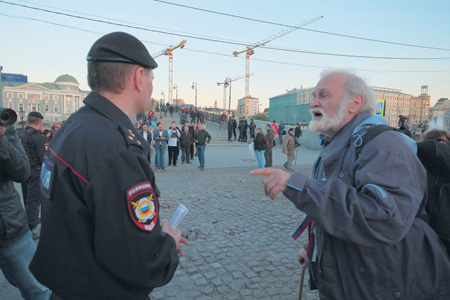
(360, 140)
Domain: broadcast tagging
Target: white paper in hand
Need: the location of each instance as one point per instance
(178, 216)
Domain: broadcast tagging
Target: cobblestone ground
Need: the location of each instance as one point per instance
(239, 239)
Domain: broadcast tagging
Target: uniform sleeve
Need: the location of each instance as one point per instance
(379, 209)
(40, 141)
(128, 239)
(13, 160)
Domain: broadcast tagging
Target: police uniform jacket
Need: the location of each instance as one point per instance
(14, 166)
(101, 236)
(35, 145)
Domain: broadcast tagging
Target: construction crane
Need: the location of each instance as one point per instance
(249, 51)
(168, 51)
(227, 82)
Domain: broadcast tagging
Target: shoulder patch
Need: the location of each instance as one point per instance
(143, 205)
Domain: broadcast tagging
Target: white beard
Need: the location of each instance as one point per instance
(326, 124)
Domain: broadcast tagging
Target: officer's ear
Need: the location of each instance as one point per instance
(356, 104)
(138, 78)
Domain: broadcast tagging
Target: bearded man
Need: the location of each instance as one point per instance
(367, 240)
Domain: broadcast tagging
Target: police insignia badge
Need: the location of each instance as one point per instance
(142, 205)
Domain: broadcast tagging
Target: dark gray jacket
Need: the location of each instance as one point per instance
(371, 244)
(14, 166)
(202, 137)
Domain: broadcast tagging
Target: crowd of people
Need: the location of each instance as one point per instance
(188, 141)
(377, 211)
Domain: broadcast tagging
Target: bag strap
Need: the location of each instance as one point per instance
(360, 141)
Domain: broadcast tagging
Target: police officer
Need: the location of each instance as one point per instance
(101, 236)
(35, 145)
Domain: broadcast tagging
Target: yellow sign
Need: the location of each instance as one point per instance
(381, 108)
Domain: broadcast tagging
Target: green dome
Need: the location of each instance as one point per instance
(66, 78)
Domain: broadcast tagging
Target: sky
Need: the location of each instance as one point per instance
(44, 45)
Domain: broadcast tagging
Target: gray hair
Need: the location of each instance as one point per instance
(355, 85)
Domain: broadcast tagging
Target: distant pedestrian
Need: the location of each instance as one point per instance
(161, 138)
(35, 145)
(268, 154)
(241, 129)
(281, 132)
(174, 135)
(289, 149)
(202, 140)
(245, 129)
(192, 115)
(171, 109)
(252, 127)
(298, 134)
(230, 128)
(198, 115)
(186, 140)
(259, 143)
(223, 120)
(148, 136)
(234, 126)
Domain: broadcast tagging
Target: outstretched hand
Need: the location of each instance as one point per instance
(274, 182)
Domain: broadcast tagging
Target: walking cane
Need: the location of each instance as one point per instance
(301, 284)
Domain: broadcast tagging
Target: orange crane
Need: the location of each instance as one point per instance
(227, 82)
(249, 51)
(169, 51)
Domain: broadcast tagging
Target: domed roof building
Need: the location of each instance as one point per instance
(55, 100)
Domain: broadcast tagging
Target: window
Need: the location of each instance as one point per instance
(33, 96)
(10, 95)
(56, 119)
(29, 107)
(10, 105)
(46, 107)
(20, 106)
(56, 98)
(46, 97)
(34, 107)
(20, 95)
(55, 108)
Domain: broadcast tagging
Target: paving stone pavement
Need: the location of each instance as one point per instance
(239, 239)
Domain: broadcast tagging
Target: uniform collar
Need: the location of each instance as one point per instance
(108, 109)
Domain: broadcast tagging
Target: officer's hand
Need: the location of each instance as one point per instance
(275, 181)
(2, 130)
(176, 234)
(302, 258)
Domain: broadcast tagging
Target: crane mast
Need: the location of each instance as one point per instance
(227, 82)
(169, 52)
(249, 51)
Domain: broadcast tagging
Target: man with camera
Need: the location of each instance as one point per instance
(16, 243)
(174, 135)
(35, 145)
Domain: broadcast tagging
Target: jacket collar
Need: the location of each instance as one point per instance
(108, 109)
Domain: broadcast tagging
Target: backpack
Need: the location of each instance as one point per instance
(438, 208)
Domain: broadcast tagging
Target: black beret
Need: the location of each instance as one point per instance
(291, 129)
(123, 48)
(36, 114)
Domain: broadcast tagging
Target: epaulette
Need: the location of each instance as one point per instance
(130, 137)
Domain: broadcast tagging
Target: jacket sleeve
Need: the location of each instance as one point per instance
(389, 186)
(13, 160)
(140, 258)
(285, 144)
(208, 136)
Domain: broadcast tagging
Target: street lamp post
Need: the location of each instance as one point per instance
(162, 104)
(228, 81)
(175, 87)
(22, 115)
(194, 86)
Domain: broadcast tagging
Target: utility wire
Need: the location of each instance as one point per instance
(301, 28)
(218, 40)
(223, 54)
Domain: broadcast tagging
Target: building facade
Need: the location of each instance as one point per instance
(293, 106)
(252, 105)
(55, 101)
(440, 114)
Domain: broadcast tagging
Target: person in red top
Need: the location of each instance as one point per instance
(274, 125)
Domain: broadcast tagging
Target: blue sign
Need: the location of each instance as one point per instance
(14, 78)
